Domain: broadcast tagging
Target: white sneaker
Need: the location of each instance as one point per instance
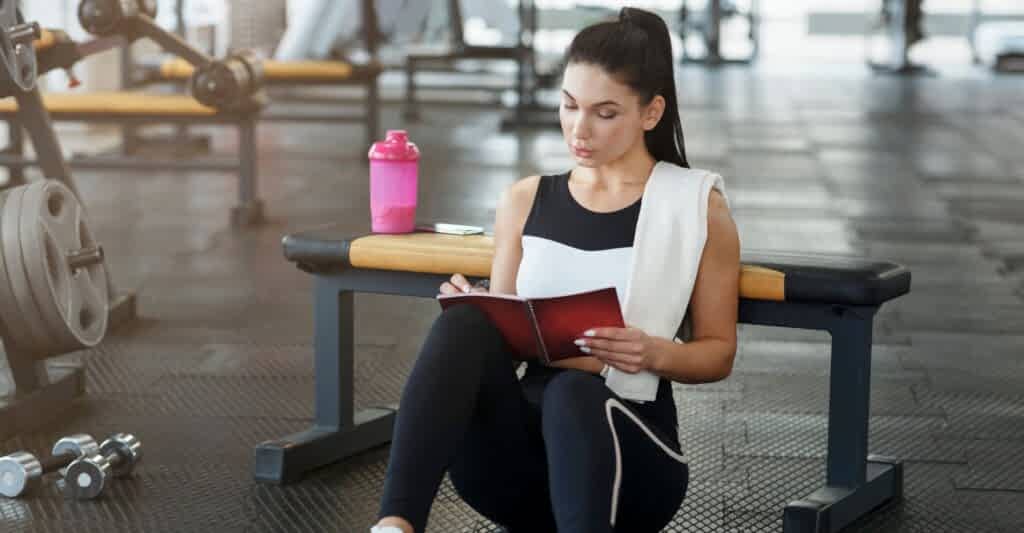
(385, 529)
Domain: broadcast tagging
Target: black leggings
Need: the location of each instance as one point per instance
(533, 459)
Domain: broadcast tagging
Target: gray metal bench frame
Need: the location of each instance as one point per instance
(855, 483)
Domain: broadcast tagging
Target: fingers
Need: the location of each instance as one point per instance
(627, 347)
(460, 281)
(458, 284)
(611, 333)
(448, 288)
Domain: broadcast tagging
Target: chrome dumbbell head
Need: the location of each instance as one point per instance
(22, 472)
(123, 451)
(77, 445)
(87, 477)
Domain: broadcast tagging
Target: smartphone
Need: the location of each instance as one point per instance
(450, 229)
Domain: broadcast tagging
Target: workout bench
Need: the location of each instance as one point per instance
(304, 73)
(327, 73)
(838, 295)
(133, 108)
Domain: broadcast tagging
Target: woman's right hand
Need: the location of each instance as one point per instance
(459, 285)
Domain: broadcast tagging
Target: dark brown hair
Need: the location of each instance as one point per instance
(636, 49)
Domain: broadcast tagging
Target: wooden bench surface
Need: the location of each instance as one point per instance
(472, 255)
(116, 103)
(273, 70)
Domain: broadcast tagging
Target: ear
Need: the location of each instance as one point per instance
(653, 112)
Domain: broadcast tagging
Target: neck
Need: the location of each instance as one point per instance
(630, 170)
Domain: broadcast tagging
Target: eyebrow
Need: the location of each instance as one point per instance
(599, 104)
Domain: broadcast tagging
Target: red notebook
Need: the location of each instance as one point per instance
(544, 328)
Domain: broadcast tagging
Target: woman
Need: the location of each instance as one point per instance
(543, 453)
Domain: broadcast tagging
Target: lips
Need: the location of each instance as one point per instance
(579, 152)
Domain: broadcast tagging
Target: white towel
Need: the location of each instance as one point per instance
(669, 241)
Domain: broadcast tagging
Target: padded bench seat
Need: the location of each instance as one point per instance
(775, 276)
(839, 295)
(117, 104)
(292, 74)
(286, 71)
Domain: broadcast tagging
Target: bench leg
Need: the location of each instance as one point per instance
(372, 111)
(856, 484)
(249, 210)
(412, 110)
(337, 431)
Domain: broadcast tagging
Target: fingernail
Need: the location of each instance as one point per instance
(588, 333)
(580, 342)
(584, 349)
(467, 288)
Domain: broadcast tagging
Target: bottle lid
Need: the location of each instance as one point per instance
(395, 147)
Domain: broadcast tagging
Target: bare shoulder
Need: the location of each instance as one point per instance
(716, 201)
(516, 201)
(521, 192)
(722, 231)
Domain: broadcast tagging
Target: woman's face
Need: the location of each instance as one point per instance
(602, 119)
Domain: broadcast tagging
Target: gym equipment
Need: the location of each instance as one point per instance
(22, 472)
(457, 49)
(707, 24)
(231, 84)
(139, 108)
(836, 294)
(274, 74)
(227, 91)
(54, 298)
(87, 476)
(56, 294)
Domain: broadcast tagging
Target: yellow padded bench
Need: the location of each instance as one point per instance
(285, 71)
(839, 295)
(294, 74)
(117, 103)
(471, 255)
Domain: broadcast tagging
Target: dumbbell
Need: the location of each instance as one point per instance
(21, 472)
(87, 476)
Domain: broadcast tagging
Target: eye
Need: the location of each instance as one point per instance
(607, 116)
(568, 105)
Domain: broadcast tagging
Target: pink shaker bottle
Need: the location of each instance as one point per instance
(394, 166)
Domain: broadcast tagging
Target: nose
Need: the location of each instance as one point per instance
(581, 127)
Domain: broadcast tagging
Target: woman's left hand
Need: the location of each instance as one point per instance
(627, 349)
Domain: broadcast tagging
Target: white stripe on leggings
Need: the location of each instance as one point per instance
(608, 405)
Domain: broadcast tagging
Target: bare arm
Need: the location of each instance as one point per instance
(513, 208)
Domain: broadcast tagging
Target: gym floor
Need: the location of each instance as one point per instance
(924, 172)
